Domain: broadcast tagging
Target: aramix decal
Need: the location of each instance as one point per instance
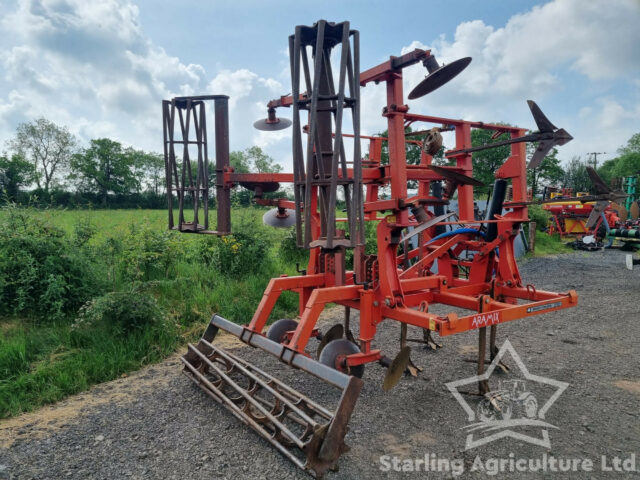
(544, 307)
(484, 319)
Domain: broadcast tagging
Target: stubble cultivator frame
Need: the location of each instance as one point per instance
(476, 267)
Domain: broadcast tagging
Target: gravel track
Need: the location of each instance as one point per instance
(157, 424)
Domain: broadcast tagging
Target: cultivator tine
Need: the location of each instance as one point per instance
(456, 177)
(483, 385)
(410, 367)
(429, 342)
(308, 434)
(401, 364)
(347, 326)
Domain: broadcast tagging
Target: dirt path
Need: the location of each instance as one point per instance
(157, 424)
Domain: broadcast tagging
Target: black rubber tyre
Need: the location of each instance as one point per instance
(342, 346)
(278, 329)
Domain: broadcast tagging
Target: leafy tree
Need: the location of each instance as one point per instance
(47, 146)
(155, 173)
(632, 146)
(262, 163)
(413, 151)
(549, 170)
(105, 167)
(576, 176)
(250, 160)
(239, 161)
(148, 168)
(607, 170)
(626, 164)
(15, 172)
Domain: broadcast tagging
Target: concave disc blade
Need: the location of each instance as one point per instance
(439, 77)
(266, 187)
(266, 126)
(396, 369)
(273, 219)
(620, 210)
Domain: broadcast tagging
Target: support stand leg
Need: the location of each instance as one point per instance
(429, 342)
(412, 368)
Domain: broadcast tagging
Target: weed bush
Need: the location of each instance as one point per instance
(121, 313)
(540, 216)
(41, 271)
(83, 231)
(245, 252)
(289, 252)
(146, 253)
(240, 254)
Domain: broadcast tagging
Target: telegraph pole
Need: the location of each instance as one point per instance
(595, 157)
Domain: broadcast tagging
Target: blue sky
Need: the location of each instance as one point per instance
(102, 68)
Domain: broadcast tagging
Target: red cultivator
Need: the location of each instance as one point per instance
(451, 259)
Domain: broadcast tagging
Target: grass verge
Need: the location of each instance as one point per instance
(45, 358)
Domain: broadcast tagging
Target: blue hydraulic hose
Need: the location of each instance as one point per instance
(456, 232)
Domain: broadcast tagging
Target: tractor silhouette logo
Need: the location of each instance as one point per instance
(511, 410)
(511, 399)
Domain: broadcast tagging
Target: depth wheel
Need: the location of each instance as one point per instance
(278, 329)
(336, 348)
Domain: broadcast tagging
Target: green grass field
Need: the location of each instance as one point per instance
(44, 358)
(48, 353)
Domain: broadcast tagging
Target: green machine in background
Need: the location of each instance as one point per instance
(630, 184)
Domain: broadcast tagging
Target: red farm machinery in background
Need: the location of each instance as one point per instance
(570, 216)
(588, 217)
(423, 257)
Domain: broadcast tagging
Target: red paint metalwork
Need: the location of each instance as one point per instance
(486, 284)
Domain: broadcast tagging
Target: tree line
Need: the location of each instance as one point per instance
(46, 165)
(550, 172)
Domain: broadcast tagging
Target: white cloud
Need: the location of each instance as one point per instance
(536, 54)
(89, 65)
